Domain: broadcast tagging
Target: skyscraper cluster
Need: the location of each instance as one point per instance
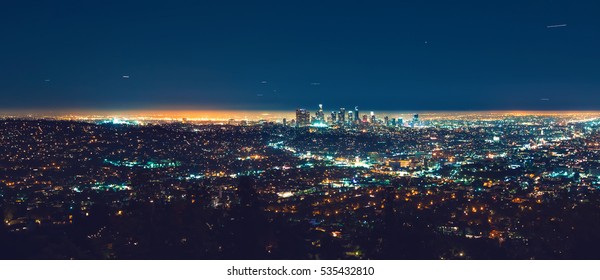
(349, 118)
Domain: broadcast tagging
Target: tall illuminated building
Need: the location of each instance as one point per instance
(333, 116)
(415, 121)
(356, 115)
(320, 115)
(342, 118)
(350, 117)
(373, 117)
(302, 117)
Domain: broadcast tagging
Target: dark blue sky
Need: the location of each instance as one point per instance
(387, 55)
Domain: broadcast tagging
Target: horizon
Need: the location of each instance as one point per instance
(273, 115)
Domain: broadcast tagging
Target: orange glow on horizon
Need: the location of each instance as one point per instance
(269, 115)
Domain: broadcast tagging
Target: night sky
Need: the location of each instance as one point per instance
(280, 55)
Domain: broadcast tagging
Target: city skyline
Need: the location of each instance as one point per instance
(276, 131)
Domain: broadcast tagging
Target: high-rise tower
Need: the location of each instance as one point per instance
(302, 117)
(320, 115)
(342, 118)
(415, 121)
